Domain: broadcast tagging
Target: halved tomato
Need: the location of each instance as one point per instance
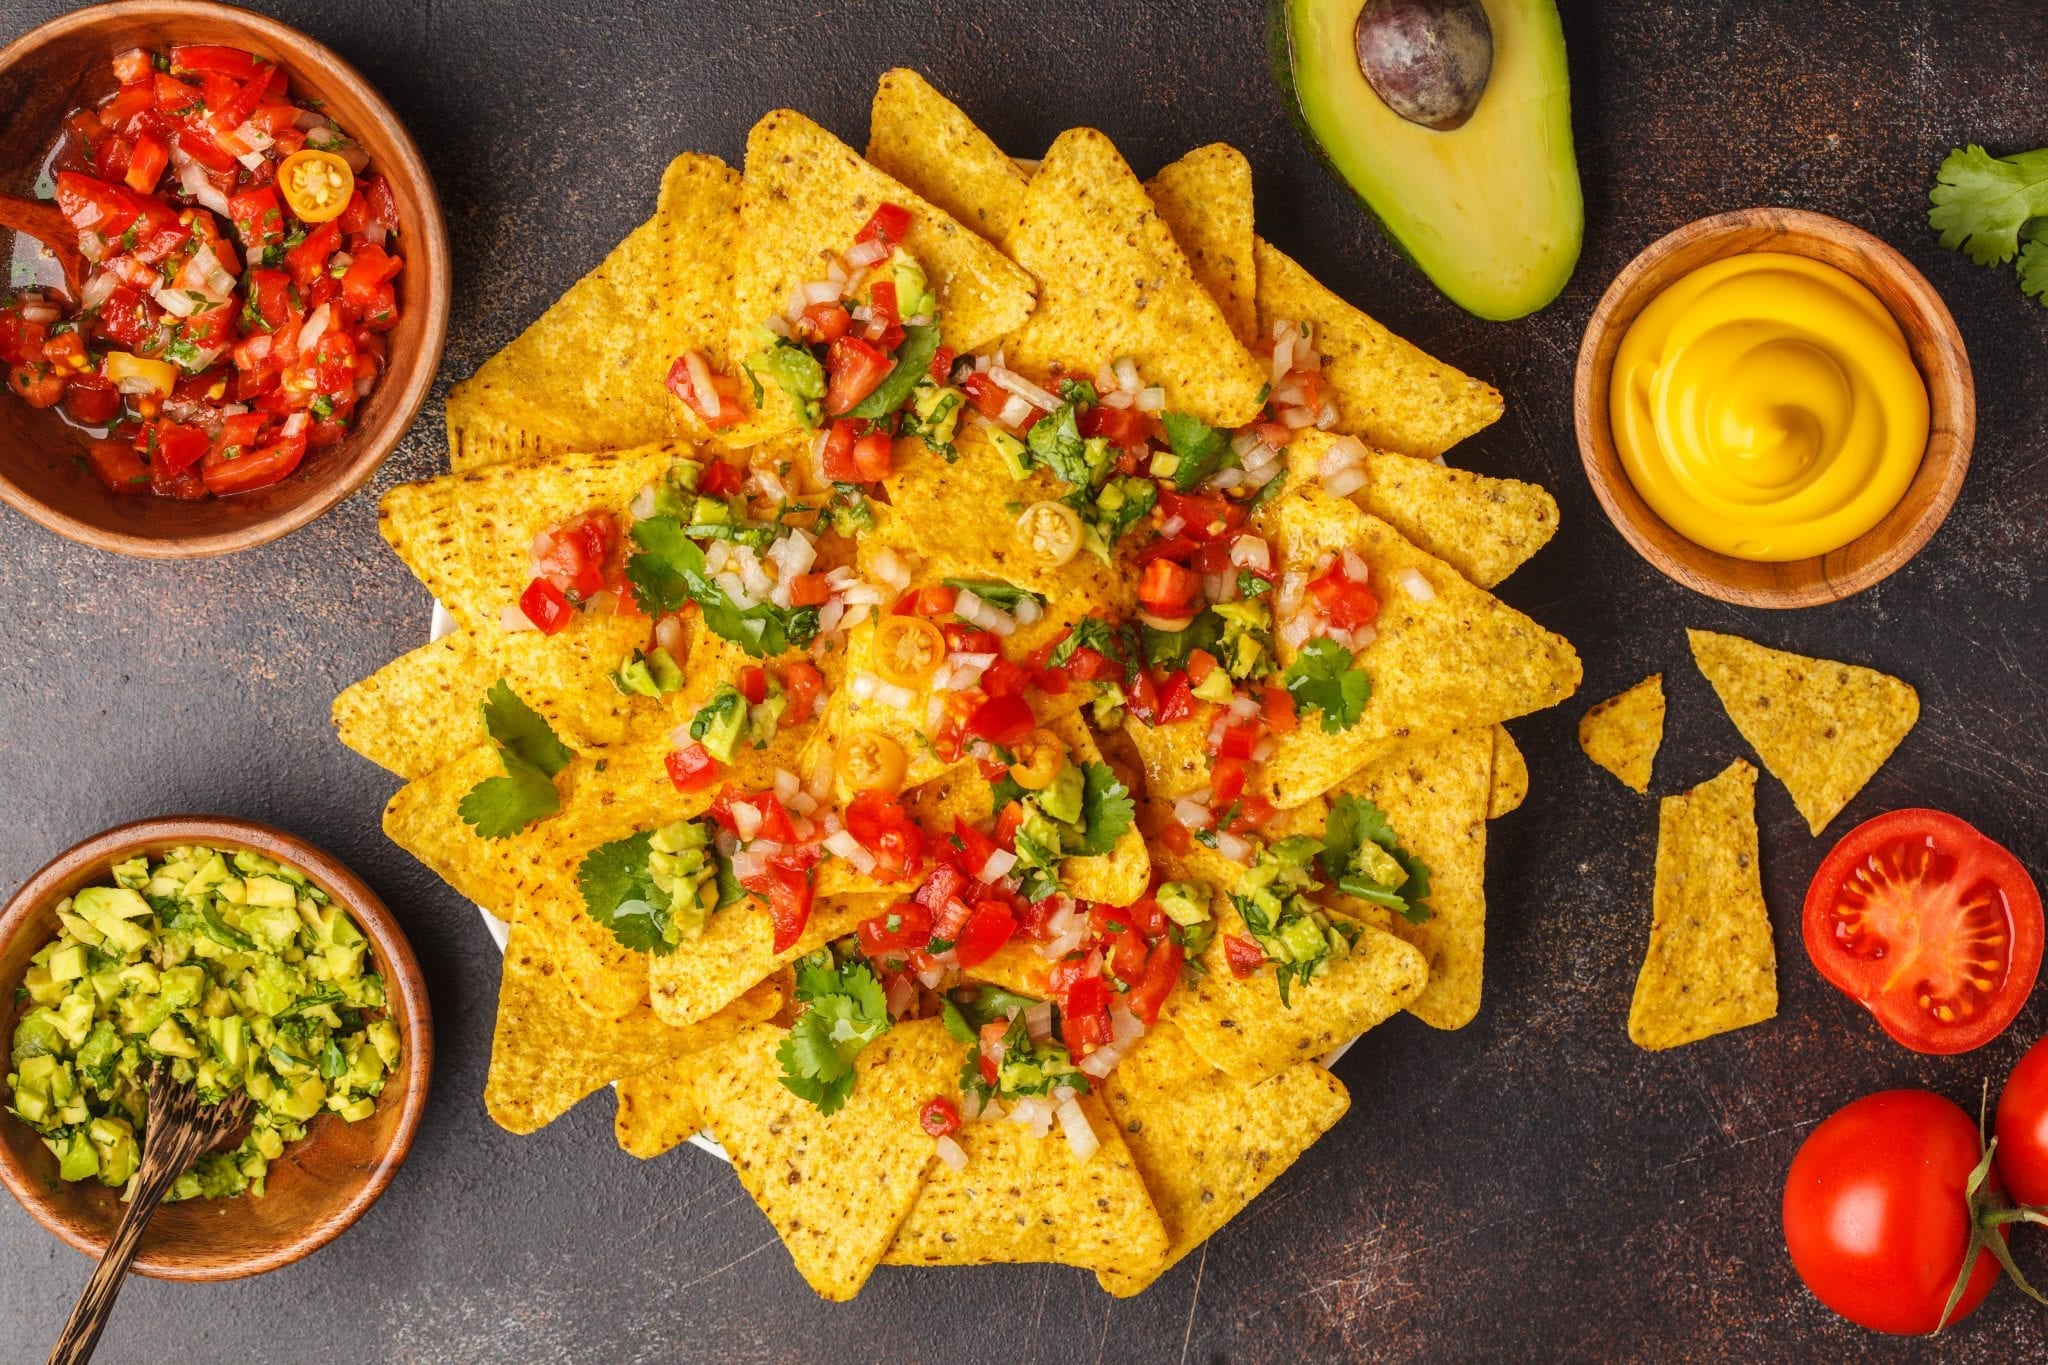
(1928, 924)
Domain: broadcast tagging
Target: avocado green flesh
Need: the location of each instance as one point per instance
(234, 972)
(1490, 211)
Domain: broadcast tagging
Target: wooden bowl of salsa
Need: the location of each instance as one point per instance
(269, 338)
(319, 1185)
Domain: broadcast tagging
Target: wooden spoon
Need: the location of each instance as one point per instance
(180, 1127)
(34, 218)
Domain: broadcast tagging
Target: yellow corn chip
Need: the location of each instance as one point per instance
(1711, 967)
(546, 1054)
(807, 195)
(1822, 728)
(1484, 528)
(1458, 658)
(1121, 875)
(420, 711)
(737, 948)
(835, 1188)
(1206, 1142)
(1022, 1199)
(587, 375)
(657, 1109)
(1622, 734)
(1206, 200)
(1510, 775)
(1435, 797)
(923, 139)
(1388, 392)
(1113, 283)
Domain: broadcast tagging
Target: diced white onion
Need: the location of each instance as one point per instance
(1028, 612)
(1117, 398)
(889, 694)
(1125, 1027)
(985, 615)
(890, 568)
(1232, 847)
(700, 383)
(1015, 410)
(930, 979)
(192, 179)
(1344, 484)
(998, 865)
(1013, 382)
(1100, 1062)
(1355, 567)
(1126, 370)
(1243, 707)
(786, 785)
(950, 1152)
(176, 302)
(1415, 585)
(901, 993)
(97, 290)
(746, 820)
(793, 554)
(1251, 552)
(315, 327)
(1192, 813)
(1038, 1020)
(1296, 631)
(1080, 1137)
(513, 617)
(1105, 379)
(1283, 357)
(844, 845)
(864, 254)
(1059, 947)
(1288, 599)
(746, 863)
(1152, 399)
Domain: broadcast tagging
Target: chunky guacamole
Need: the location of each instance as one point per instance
(235, 971)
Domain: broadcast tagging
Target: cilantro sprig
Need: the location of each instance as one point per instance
(1199, 449)
(1106, 811)
(1115, 643)
(531, 753)
(1394, 877)
(1323, 678)
(670, 571)
(1991, 207)
(620, 894)
(844, 1011)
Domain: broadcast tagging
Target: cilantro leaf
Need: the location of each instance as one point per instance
(671, 571)
(521, 732)
(1106, 810)
(620, 894)
(844, 1010)
(1250, 585)
(1117, 508)
(1353, 823)
(995, 592)
(920, 344)
(1003, 793)
(500, 807)
(1269, 492)
(1169, 649)
(1055, 442)
(1200, 448)
(1981, 202)
(2033, 263)
(1322, 678)
(1094, 633)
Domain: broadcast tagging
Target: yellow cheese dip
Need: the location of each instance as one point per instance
(1766, 406)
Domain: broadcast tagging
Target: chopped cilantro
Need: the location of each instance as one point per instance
(1106, 811)
(1391, 877)
(670, 571)
(844, 1011)
(913, 360)
(1199, 449)
(499, 807)
(1322, 678)
(1004, 595)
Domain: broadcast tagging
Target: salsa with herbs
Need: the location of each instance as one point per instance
(242, 279)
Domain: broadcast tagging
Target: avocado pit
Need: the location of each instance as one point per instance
(1428, 60)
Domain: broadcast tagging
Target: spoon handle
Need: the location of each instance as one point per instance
(178, 1131)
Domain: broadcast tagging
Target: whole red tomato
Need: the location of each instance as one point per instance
(1876, 1217)
(2022, 1127)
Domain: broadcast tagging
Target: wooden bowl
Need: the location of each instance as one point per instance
(1937, 348)
(321, 1184)
(65, 63)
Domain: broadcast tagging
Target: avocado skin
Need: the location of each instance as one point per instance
(1281, 58)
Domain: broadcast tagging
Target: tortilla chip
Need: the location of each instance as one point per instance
(587, 375)
(1710, 967)
(1112, 282)
(737, 948)
(657, 1110)
(1388, 392)
(807, 195)
(1461, 659)
(1484, 528)
(1622, 734)
(1510, 775)
(420, 711)
(1822, 728)
(1435, 797)
(1026, 1199)
(1241, 1026)
(1206, 200)
(546, 1054)
(923, 139)
(836, 1189)
(1206, 1142)
(1121, 875)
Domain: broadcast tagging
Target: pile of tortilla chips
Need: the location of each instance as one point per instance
(1064, 265)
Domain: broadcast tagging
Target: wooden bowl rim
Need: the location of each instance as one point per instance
(408, 1001)
(1819, 579)
(415, 381)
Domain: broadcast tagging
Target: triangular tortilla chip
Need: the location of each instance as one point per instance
(1026, 1199)
(546, 1053)
(1461, 658)
(737, 948)
(1711, 966)
(420, 711)
(587, 375)
(1206, 1142)
(809, 194)
(1623, 733)
(1485, 528)
(1822, 728)
(1389, 393)
(1121, 875)
(1206, 200)
(835, 1189)
(924, 140)
(1114, 283)
(1435, 797)
(1510, 775)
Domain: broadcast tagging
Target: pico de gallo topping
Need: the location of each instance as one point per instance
(242, 281)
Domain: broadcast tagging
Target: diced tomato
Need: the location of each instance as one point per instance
(132, 65)
(1204, 516)
(801, 683)
(256, 469)
(1178, 838)
(1201, 663)
(944, 884)
(38, 384)
(381, 313)
(823, 322)
(118, 466)
(1346, 603)
(1238, 741)
(1226, 781)
(810, 590)
(1001, 720)
(1084, 1017)
(1167, 589)
(1091, 665)
(882, 301)
(720, 479)
(873, 457)
(1176, 699)
(177, 447)
(175, 98)
(1141, 694)
(975, 847)
(1244, 955)
(988, 397)
(837, 456)
(754, 684)
(308, 260)
(786, 885)
(1162, 973)
(692, 768)
(1006, 825)
(269, 293)
(912, 929)
(369, 267)
(1068, 970)
(93, 205)
(1279, 709)
(854, 368)
(933, 601)
(887, 225)
(988, 928)
(939, 1118)
(226, 114)
(576, 555)
(1252, 812)
(774, 823)
(198, 59)
(1005, 679)
(962, 638)
(126, 317)
(91, 401)
(1125, 948)
(546, 606)
(193, 142)
(146, 163)
(239, 434)
(1125, 427)
(877, 819)
(942, 364)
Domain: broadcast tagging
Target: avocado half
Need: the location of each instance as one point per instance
(1490, 210)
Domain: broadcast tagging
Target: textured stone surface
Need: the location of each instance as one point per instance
(1531, 1187)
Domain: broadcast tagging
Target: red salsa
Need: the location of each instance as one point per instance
(242, 275)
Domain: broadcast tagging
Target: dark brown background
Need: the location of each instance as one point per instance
(1531, 1187)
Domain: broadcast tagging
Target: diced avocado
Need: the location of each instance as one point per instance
(68, 963)
(1106, 711)
(383, 1036)
(119, 1153)
(1038, 839)
(935, 412)
(711, 512)
(1375, 864)
(80, 928)
(183, 986)
(270, 891)
(80, 1161)
(796, 371)
(1216, 688)
(211, 874)
(719, 723)
(73, 1018)
(125, 936)
(1301, 940)
(133, 874)
(913, 295)
(97, 904)
(1491, 210)
(764, 715)
(230, 1039)
(303, 1099)
(1061, 799)
(1184, 902)
(101, 1048)
(1096, 452)
(358, 1110)
(36, 1036)
(170, 1040)
(273, 927)
(1015, 456)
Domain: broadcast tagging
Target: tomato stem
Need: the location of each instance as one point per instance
(1987, 1213)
